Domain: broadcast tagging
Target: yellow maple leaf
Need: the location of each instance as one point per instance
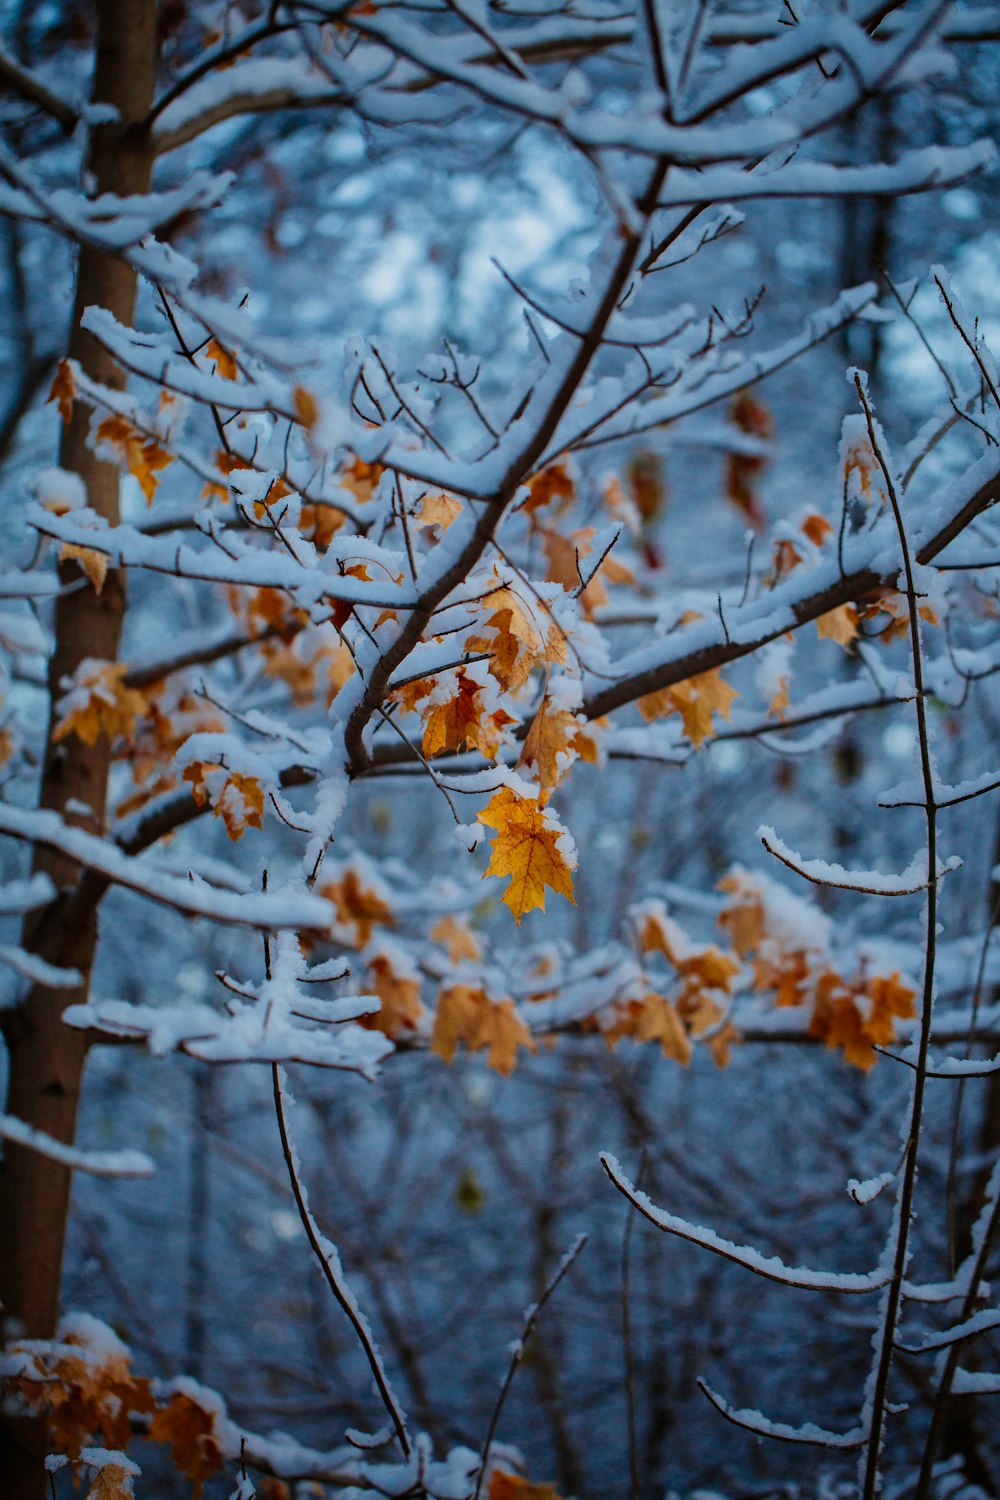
(455, 722)
(190, 1431)
(94, 564)
(840, 625)
(142, 456)
(97, 702)
(696, 700)
(527, 849)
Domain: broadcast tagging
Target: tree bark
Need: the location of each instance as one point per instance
(45, 1058)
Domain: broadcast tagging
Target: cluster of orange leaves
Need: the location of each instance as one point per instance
(856, 1014)
(698, 1005)
(106, 704)
(88, 1394)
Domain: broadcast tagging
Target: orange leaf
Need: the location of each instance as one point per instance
(94, 564)
(143, 457)
(358, 906)
(113, 1479)
(652, 1019)
(527, 849)
(306, 409)
(696, 700)
(439, 510)
(361, 479)
(225, 362)
(817, 528)
(190, 1431)
(551, 736)
(467, 1014)
(504, 1486)
(402, 1007)
(96, 702)
(840, 625)
(553, 483)
(238, 801)
(63, 390)
(458, 938)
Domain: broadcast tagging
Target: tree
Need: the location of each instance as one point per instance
(392, 568)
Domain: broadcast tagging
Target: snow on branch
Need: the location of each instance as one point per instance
(914, 172)
(808, 1432)
(768, 1266)
(869, 560)
(867, 882)
(125, 1163)
(300, 911)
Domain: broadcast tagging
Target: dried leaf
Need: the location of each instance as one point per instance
(696, 700)
(63, 390)
(190, 1431)
(224, 362)
(306, 409)
(840, 625)
(238, 800)
(96, 702)
(439, 510)
(358, 906)
(402, 1007)
(652, 1019)
(142, 456)
(504, 1486)
(458, 938)
(817, 528)
(550, 745)
(467, 1014)
(361, 479)
(94, 564)
(113, 1481)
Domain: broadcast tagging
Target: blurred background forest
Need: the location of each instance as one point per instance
(451, 1190)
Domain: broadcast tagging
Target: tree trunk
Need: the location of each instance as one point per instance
(46, 1058)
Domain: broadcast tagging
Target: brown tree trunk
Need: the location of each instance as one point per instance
(46, 1058)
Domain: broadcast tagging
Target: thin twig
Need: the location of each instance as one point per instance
(517, 1353)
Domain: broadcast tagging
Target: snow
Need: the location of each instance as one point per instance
(807, 1432)
(865, 1192)
(59, 489)
(872, 882)
(125, 1163)
(769, 1266)
(298, 910)
(38, 970)
(914, 171)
